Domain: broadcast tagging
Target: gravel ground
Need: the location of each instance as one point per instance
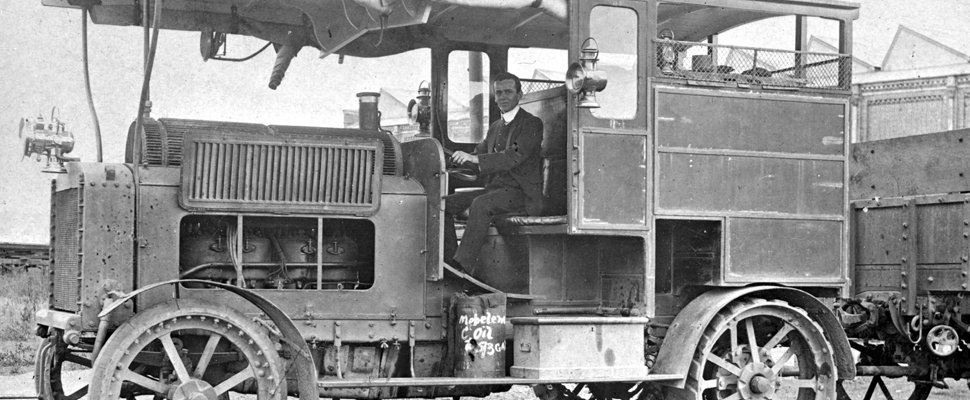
(23, 385)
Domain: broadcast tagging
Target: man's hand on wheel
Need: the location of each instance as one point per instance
(461, 157)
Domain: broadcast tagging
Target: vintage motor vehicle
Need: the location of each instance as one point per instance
(696, 243)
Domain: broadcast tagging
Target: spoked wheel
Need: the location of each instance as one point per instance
(189, 349)
(759, 349)
(52, 355)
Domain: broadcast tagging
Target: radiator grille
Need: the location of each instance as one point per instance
(164, 139)
(176, 129)
(66, 269)
(391, 162)
(153, 145)
(293, 176)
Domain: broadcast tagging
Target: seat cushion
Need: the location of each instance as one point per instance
(506, 220)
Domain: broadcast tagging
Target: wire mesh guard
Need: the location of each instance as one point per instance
(752, 66)
(537, 85)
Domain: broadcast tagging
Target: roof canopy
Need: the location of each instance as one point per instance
(369, 28)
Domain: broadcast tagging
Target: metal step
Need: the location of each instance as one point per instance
(452, 381)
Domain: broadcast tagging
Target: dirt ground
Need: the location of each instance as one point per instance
(23, 385)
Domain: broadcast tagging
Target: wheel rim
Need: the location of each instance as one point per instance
(758, 349)
(190, 338)
(51, 356)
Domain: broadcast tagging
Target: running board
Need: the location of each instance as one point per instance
(451, 381)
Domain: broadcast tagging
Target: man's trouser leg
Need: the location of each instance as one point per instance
(494, 202)
(455, 204)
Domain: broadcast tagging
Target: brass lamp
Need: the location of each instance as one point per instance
(419, 110)
(667, 53)
(583, 79)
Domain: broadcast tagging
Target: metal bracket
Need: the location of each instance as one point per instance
(308, 313)
(411, 342)
(337, 344)
(69, 323)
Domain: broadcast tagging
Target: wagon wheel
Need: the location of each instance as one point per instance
(52, 354)
(189, 349)
(761, 349)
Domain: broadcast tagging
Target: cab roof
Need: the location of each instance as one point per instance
(371, 28)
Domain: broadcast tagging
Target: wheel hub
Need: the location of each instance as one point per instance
(195, 389)
(759, 385)
(757, 381)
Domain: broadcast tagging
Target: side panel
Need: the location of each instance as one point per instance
(756, 184)
(707, 122)
(424, 162)
(779, 250)
(912, 246)
(912, 165)
(567, 269)
(877, 247)
(104, 248)
(772, 166)
(613, 181)
(158, 233)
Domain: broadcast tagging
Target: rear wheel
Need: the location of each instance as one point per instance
(761, 349)
(188, 349)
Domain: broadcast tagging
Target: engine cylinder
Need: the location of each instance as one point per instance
(298, 246)
(338, 249)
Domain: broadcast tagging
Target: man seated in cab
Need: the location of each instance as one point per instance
(510, 168)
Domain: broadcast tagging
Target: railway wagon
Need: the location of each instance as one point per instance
(911, 242)
(695, 242)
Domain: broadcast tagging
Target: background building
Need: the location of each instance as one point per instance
(922, 86)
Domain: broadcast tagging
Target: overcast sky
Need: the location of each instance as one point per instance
(40, 68)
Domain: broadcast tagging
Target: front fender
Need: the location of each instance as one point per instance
(306, 369)
(689, 325)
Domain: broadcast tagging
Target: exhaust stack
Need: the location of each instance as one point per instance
(369, 116)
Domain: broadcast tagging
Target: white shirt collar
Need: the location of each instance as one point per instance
(509, 116)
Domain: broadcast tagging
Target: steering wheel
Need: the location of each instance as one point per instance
(460, 172)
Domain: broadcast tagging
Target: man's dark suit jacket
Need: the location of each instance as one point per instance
(520, 158)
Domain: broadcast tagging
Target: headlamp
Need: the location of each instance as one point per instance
(583, 79)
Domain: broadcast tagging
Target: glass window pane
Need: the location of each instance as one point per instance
(537, 67)
(615, 32)
(467, 96)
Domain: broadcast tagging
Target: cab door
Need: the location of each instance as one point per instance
(609, 145)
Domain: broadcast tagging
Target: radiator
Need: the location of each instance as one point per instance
(66, 254)
(293, 174)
